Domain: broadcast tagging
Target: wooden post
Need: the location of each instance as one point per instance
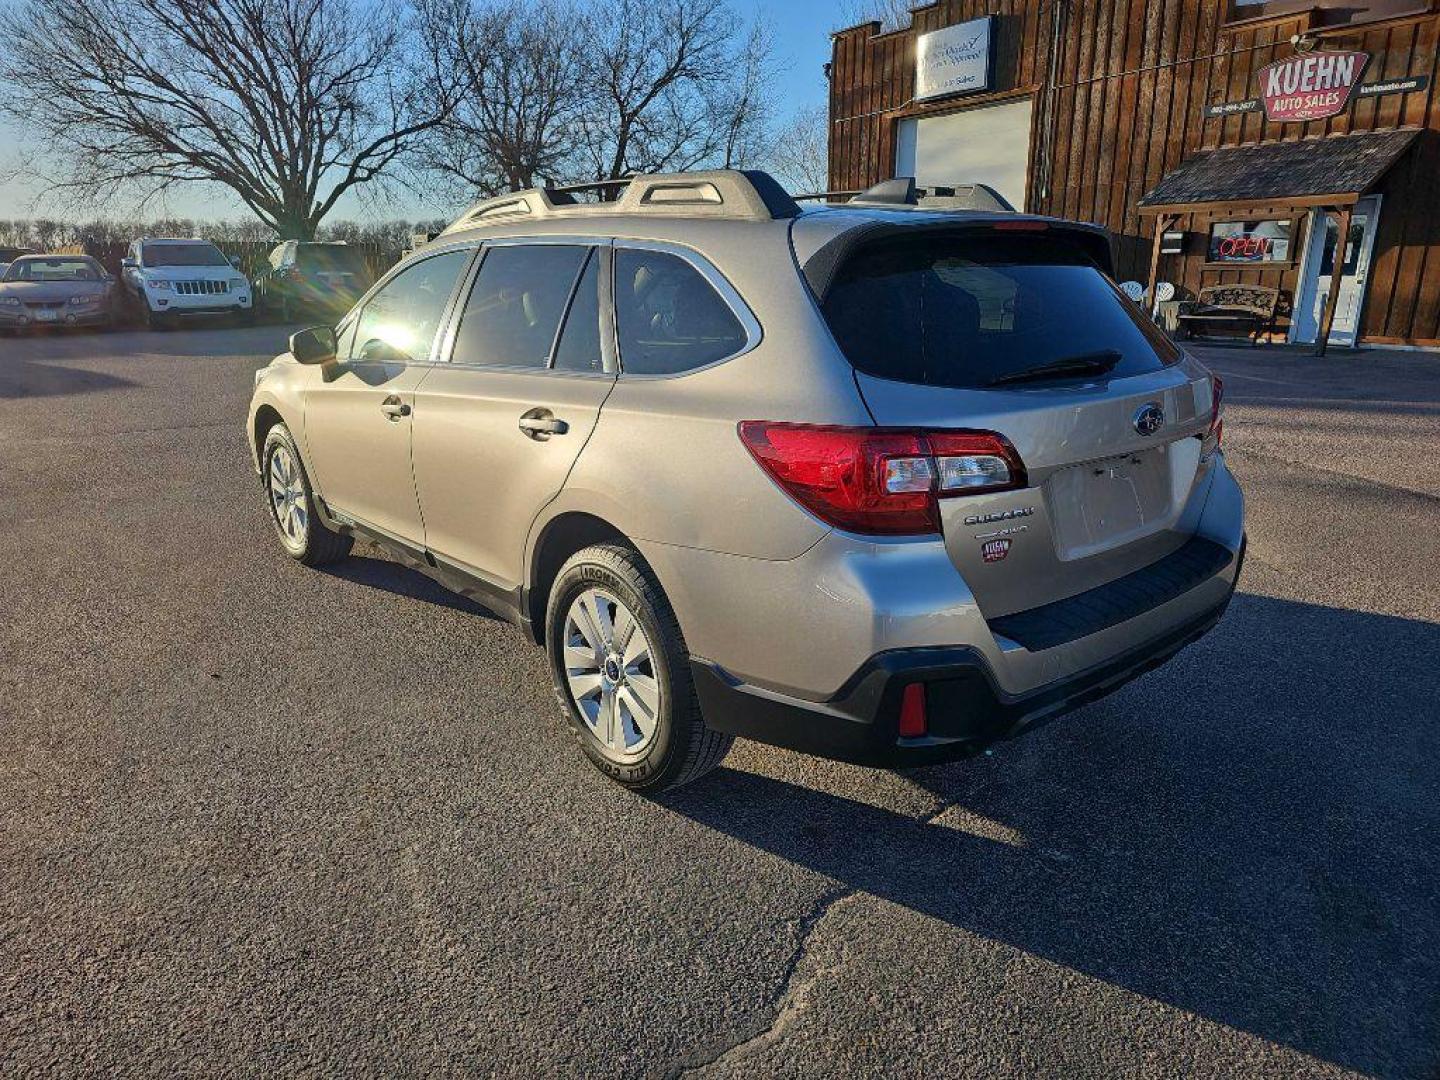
(1337, 270)
(1162, 221)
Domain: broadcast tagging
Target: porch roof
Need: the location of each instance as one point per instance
(1332, 171)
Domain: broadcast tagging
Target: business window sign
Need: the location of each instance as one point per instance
(954, 60)
(1250, 241)
(1310, 86)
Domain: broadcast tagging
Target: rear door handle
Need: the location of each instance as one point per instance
(394, 408)
(541, 423)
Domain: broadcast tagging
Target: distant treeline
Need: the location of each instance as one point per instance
(42, 234)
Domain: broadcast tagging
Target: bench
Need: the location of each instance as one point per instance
(1248, 308)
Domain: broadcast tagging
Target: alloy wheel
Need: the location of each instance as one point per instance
(287, 496)
(609, 668)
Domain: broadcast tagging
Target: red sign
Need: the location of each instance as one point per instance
(995, 550)
(1246, 246)
(1310, 86)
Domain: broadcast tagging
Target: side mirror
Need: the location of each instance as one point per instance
(235, 261)
(314, 345)
(127, 264)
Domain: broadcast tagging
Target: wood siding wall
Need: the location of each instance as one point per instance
(1132, 79)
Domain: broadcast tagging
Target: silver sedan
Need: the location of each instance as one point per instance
(56, 290)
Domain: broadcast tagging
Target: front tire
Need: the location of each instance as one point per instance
(622, 673)
(152, 319)
(291, 503)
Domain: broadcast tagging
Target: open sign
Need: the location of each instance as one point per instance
(1246, 247)
(1250, 241)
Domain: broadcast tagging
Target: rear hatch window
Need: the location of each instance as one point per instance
(342, 260)
(979, 309)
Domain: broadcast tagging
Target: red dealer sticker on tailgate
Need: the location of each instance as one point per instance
(995, 550)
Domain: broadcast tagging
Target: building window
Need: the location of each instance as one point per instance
(1250, 241)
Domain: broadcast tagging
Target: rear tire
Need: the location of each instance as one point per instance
(622, 673)
(291, 504)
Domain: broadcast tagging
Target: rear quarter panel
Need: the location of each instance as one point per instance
(666, 464)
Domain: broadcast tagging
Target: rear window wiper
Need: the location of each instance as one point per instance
(1092, 363)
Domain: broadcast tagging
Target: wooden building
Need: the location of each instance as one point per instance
(1164, 120)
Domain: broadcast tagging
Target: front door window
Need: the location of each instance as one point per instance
(399, 322)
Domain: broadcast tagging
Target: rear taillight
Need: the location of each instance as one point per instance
(1210, 441)
(881, 481)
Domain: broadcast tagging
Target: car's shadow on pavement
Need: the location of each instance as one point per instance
(401, 580)
(22, 378)
(1249, 834)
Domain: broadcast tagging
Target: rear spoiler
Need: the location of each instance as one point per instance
(821, 267)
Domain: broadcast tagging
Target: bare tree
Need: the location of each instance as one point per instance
(667, 87)
(800, 156)
(517, 98)
(288, 103)
(890, 14)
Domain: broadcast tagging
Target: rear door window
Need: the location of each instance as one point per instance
(514, 309)
(579, 346)
(968, 310)
(668, 318)
(331, 260)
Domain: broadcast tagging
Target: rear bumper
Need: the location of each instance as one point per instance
(967, 707)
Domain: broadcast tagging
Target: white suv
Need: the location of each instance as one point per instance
(173, 279)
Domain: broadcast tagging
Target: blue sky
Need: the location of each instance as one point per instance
(801, 31)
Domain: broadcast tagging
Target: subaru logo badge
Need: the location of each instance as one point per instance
(1149, 418)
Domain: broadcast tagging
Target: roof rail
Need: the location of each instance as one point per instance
(735, 194)
(816, 196)
(901, 191)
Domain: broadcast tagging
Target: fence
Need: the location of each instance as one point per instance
(254, 255)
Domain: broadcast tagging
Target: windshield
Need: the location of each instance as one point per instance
(52, 270)
(183, 255)
(340, 260)
(968, 310)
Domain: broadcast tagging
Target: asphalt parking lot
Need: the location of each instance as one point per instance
(259, 819)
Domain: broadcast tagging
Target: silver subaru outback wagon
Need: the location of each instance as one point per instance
(873, 481)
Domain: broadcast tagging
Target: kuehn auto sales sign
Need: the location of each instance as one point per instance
(1310, 86)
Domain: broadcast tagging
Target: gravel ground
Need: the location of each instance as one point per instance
(259, 819)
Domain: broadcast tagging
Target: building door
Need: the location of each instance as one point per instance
(1320, 264)
(986, 144)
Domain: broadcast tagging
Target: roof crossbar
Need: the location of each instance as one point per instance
(721, 193)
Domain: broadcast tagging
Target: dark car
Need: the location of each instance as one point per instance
(56, 290)
(305, 278)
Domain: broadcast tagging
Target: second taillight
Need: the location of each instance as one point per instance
(881, 481)
(1210, 441)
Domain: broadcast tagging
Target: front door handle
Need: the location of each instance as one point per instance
(542, 423)
(394, 408)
